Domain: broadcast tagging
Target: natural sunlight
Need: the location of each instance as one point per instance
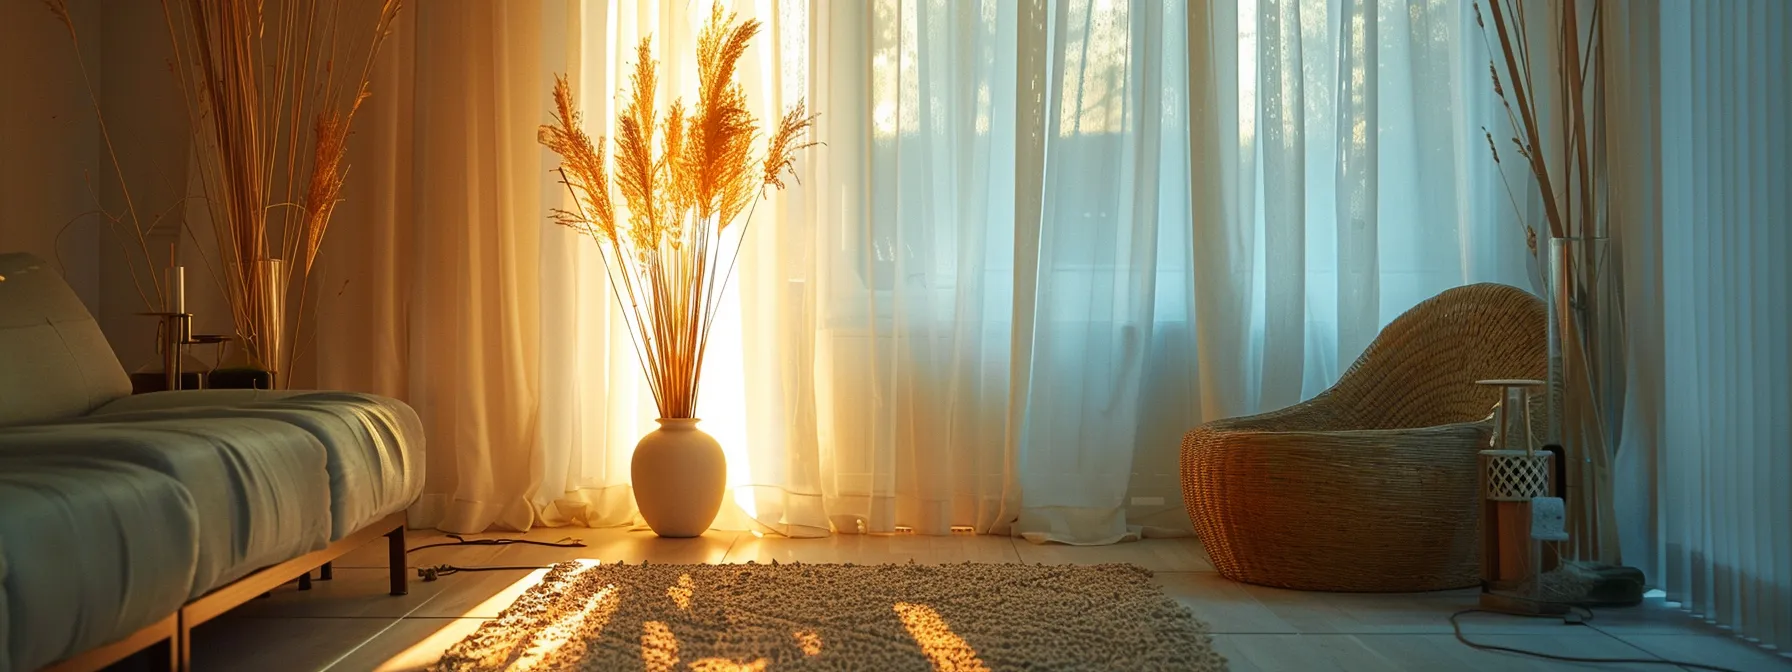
(659, 648)
(1096, 58)
(578, 628)
(659, 653)
(725, 665)
(428, 650)
(681, 593)
(723, 403)
(509, 594)
(810, 640)
(947, 651)
(583, 625)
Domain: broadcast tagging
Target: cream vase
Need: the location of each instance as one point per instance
(680, 475)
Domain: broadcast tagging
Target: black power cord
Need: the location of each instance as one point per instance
(565, 542)
(438, 571)
(1587, 616)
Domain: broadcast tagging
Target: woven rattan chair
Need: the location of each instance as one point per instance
(1370, 486)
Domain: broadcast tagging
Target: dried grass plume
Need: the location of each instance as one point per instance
(684, 178)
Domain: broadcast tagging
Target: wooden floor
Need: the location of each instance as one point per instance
(351, 624)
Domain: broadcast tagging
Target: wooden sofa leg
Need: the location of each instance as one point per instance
(182, 646)
(326, 572)
(165, 655)
(305, 581)
(395, 561)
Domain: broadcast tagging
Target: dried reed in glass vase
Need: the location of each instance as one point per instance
(271, 90)
(1555, 109)
(686, 181)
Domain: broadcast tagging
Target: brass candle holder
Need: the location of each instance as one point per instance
(174, 334)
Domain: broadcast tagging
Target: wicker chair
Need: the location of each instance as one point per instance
(1370, 486)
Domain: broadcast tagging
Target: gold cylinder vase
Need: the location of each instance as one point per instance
(260, 302)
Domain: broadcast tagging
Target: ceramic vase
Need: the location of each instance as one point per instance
(680, 475)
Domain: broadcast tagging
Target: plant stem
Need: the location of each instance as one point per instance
(1538, 166)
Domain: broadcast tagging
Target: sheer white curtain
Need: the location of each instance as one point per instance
(1007, 318)
(998, 248)
(905, 276)
(1705, 457)
(1000, 293)
(1109, 391)
(1341, 178)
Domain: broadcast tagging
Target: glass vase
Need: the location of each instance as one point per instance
(1580, 391)
(259, 299)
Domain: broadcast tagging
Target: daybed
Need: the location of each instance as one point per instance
(126, 521)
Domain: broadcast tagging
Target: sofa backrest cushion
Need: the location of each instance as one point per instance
(54, 361)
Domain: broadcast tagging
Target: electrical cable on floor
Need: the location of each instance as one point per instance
(565, 542)
(1588, 616)
(438, 571)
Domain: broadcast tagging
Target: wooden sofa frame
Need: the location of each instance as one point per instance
(171, 637)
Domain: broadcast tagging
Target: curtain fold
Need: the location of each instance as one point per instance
(1633, 146)
(1715, 404)
(1108, 388)
(428, 291)
(915, 357)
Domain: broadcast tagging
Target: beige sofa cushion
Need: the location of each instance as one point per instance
(54, 362)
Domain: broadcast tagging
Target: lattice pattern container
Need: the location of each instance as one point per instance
(1514, 475)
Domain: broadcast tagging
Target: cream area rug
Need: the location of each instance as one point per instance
(714, 618)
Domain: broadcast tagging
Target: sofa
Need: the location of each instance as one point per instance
(127, 520)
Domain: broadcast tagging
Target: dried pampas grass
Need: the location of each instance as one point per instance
(684, 179)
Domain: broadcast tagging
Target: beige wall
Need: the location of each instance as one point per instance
(47, 140)
(51, 150)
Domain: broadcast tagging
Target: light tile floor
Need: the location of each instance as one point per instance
(350, 624)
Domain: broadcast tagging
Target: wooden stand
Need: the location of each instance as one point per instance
(1508, 556)
(1511, 561)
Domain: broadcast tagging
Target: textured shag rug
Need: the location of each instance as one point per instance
(588, 616)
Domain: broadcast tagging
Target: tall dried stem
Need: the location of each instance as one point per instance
(271, 110)
(1517, 80)
(138, 233)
